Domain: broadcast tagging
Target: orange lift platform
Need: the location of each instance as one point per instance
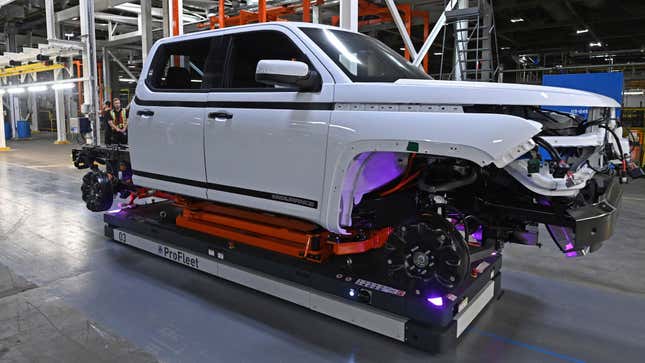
(280, 234)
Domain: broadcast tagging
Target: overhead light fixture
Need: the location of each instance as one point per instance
(402, 48)
(69, 35)
(75, 18)
(61, 86)
(504, 48)
(16, 90)
(582, 31)
(634, 93)
(438, 53)
(596, 44)
(517, 20)
(37, 88)
(127, 80)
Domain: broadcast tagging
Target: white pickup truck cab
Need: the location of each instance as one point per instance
(335, 128)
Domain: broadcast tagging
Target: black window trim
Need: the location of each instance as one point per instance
(228, 55)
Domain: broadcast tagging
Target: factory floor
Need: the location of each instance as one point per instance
(69, 295)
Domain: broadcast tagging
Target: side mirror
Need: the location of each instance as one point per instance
(287, 74)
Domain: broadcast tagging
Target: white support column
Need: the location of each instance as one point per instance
(33, 100)
(61, 125)
(59, 105)
(88, 36)
(315, 14)
(14, 100)
(349, 15)
(50, 19)
(3, 143)
(107, 86)
(14, 111)
(165, 9)
(145, 27)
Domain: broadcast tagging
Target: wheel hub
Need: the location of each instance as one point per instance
(421, 259)
(430, 249)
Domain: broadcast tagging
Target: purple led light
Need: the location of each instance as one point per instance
(544, 202)
(568, 247)
(571, 254)
(478, 234)
(436, 301)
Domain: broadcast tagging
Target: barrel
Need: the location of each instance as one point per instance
(7, 130)
(23, 130)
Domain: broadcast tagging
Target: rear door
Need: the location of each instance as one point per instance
(265, 145)
(166, 127)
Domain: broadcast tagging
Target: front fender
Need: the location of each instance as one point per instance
(480, 138)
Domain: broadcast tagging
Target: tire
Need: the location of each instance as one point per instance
(97, 191)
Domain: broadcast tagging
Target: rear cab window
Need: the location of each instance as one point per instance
(220, 62)
(179, 66)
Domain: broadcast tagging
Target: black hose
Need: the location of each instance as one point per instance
(445, 187)
(550, 149)
(620, 146)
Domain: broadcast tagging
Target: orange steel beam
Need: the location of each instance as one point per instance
(426, 32)
(262, 11)
(306, 11)
(407, 15)
(79, 74)
(100, 82)
(277, 13)
(220, 15)
(175, 17)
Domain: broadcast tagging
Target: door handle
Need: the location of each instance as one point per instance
(220, 115)
(145, 113)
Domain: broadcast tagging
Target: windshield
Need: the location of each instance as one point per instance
(362, 58)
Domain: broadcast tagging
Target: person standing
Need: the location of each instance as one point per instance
(107, 107)
(118, 122)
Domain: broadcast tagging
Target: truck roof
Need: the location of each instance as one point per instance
(284, 24)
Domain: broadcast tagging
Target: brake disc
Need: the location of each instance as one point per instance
(428, 249)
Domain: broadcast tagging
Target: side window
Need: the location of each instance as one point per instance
(248, 48)
(182, 65)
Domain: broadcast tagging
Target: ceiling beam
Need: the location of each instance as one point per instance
(99, 5)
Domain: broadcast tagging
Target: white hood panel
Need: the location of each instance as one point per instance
(467, 93)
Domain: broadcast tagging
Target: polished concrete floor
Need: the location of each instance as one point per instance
(69, 295)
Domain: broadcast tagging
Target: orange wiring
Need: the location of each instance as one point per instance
(401, 184)
(406, 178)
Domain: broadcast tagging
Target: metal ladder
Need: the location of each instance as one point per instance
(475, 41)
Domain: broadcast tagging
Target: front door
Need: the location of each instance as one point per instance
(166, 123)
(265, 146)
